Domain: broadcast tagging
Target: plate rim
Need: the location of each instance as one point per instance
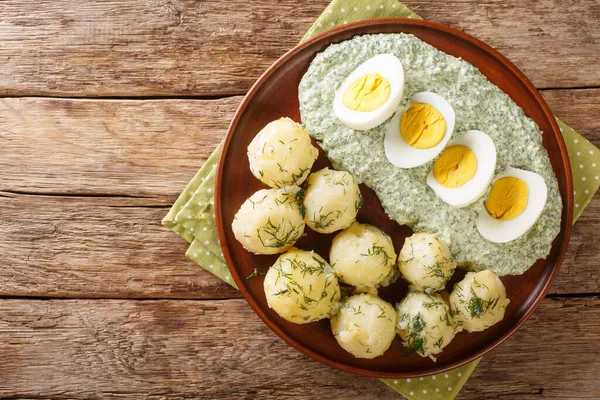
(568, 205)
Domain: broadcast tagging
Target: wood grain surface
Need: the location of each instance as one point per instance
(221, 349)
(148, 149)
(97, 299)
(212, 47)
(91, 247)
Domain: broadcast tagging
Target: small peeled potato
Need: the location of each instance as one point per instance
(363, 256)
(424, 323)
(269, 222)
(301, 287)
(364, 325)
(426, 262)
(281, 154)
(332, 200)
(478, 301)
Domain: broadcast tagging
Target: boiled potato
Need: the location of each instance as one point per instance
(269, 222)
(426, 262)
(281, 154)
(332, 200)
(301, 287)
(479, 301)
(364, 325)
(424, 323)
(363, 256)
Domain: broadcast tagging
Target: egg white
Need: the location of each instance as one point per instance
(485, 152)
(386, 65)
(505, 231)
(403, 155)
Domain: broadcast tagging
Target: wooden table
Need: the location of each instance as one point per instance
(109, 109)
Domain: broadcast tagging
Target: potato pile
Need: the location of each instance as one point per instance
(427, 321)
(302, 287)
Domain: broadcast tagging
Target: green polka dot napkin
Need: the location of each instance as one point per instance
(192, 216)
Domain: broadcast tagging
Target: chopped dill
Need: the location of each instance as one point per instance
(415, 342)
(281, 169)
(436, 270)
(254, 203)
(278, 236)
(282, 291)
(293, 179)
(254, 274)
(303, 210)
(433, 303)
(478, 307)
(377, 251)
(324, 221)
(359, 202)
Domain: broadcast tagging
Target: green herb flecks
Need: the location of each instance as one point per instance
(478, 306)
(377, 250)
(323, 221)
(415, 341)
(254, 203)
(278, 236)
(432, 303)
(436, 270)
(294, 178)
(359, 202)
(281, 292)
(254, 274)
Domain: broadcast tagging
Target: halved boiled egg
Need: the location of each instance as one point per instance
(464, 170)
(371, 93)
(516, 200)
(420, 132)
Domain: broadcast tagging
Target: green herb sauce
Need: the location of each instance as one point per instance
(404, 193)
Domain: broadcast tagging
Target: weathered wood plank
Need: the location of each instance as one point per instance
(149, 148)
(129, 148)
(96, 247)
(579, 272)
(182, 47)
(534, 35)
(554, 356)
(220, 349)
(571, 105)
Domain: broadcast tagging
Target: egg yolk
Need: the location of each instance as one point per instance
(422, 126)
(455, 167)
(508, 198)
(367, 93)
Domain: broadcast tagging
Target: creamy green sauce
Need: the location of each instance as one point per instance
(404, 193)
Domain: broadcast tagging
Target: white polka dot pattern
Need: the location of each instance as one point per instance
(584, 159)
(430, 387)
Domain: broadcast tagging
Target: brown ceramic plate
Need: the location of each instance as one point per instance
(275, 95)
